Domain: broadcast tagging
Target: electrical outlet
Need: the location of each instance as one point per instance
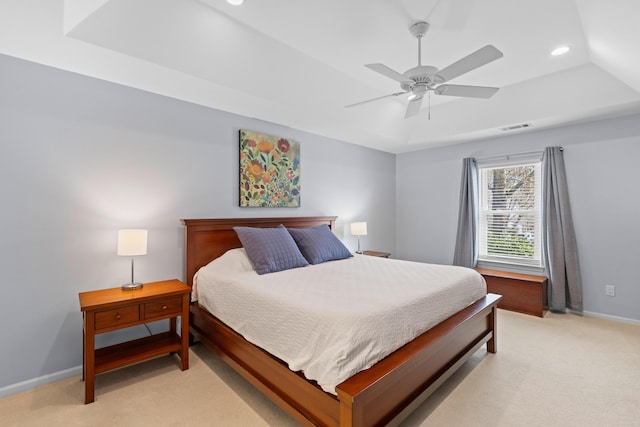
(610, 290)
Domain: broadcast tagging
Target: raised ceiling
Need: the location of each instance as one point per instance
(298, 63)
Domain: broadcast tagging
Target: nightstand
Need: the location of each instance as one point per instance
(376, 253)
(111, 309)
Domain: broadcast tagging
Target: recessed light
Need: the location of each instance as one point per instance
(235, 2)
(561, 50)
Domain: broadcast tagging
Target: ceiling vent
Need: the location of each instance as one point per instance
(514, 127)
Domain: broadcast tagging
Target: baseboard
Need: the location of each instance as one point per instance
(606, 316)
(38, 381)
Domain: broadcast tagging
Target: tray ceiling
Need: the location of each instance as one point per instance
(298, 63)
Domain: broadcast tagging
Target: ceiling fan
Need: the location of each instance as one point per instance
(424, 78)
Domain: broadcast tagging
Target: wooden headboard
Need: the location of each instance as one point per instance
(207, 239)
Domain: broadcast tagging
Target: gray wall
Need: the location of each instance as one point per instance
(601, 159)
(81, 158)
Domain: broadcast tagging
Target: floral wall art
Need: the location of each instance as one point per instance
(269, 170)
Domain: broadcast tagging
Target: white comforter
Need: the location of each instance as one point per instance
(334, 319)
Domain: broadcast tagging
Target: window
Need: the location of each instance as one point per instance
(509, 212)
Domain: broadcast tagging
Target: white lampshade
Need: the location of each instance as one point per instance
(358, 228)
(132, 242)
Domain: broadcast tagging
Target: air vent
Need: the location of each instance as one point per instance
(514, 127)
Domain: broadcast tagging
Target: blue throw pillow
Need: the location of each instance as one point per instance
(319, 244)
(270, 249)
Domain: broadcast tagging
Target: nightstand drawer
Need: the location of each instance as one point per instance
(162, 308)
(115, 318)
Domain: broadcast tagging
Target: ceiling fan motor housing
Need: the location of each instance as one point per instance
(424, 75)
(419, 29)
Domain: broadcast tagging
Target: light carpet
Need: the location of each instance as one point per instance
(560, 370)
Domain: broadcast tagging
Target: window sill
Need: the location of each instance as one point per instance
(512, 267)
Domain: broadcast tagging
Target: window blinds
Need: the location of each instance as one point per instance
(510, 213)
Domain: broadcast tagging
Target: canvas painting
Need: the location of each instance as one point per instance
(269, 170)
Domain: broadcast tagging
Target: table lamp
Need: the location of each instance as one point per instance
(358, 229)
(132, 243)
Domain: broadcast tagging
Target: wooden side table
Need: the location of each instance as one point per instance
(376, 253)
(111, 309)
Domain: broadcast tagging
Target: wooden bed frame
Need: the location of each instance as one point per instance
(384, 394)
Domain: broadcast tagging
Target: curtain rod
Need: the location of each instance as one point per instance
(510, 156)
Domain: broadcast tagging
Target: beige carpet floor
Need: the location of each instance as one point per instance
(560, 370)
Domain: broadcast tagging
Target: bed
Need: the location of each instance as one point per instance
(383, 394)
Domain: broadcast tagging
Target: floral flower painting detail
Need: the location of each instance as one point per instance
(269, 170)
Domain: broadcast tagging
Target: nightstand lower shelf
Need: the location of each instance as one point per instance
(126, 353)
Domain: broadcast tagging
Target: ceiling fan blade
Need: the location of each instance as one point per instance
(374, 99)
(470, 62)
(466, 91)
(388, 72)
(413, 107)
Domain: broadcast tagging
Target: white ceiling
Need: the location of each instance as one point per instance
(299, 62)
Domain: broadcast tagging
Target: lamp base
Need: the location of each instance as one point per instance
(131, 286)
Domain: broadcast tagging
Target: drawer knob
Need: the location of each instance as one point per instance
(164, 307)
(118, 316)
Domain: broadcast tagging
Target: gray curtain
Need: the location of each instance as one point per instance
(559, 247)
(466, 252)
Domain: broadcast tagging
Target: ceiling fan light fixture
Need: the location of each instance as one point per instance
(560, 50)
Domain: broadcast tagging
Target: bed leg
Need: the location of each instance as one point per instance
(492, 344)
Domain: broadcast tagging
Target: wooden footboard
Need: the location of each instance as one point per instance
(384, 394)
(390, 390)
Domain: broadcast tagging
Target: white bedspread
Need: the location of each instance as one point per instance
(334, 319)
